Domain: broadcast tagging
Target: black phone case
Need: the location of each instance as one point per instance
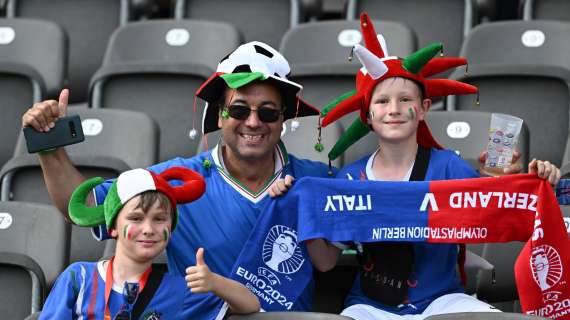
(67, 131)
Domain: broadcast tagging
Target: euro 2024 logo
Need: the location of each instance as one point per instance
(281, 251)
(546, 267)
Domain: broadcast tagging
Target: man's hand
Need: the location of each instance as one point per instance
(545, 170)
(281, 186)
(199, 278)
(42, 115)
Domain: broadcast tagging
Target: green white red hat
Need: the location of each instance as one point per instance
(130, 184)
(253, 61)
(378, 66)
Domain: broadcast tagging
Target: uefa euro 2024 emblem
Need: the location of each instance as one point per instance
(280, 250)
(546, 266)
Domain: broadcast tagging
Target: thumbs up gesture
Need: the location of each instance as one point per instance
(199, 278)
(42, 115)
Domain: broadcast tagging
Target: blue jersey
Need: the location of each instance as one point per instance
(223, 218)
(434, 271)
(80, 290)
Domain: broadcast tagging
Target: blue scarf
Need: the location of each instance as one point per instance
(275, 265)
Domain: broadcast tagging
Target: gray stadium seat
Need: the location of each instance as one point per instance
(105, 154)
(546, 10)
(467, 133)
(446, 21)
(318, 53)
(483, 316)
(257, 20)
(301, 142)
(521, 75)
(88, 23)
(155, 67)
(32, 63)
(22, 285)
(129, 136)
(288, 315)
(38, 231)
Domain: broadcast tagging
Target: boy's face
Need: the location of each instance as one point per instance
(396, 107)
(142, 235)
(251, 138)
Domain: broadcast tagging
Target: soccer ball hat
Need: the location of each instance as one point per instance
(378, 66)
(130, 184)
(253, 61)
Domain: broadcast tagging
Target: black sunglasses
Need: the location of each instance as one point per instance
(266, 115)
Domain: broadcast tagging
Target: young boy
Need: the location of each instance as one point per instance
(140, 212)
(401, 279)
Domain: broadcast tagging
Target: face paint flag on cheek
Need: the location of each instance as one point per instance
(412, 113)
(128, 232)
(166, 234)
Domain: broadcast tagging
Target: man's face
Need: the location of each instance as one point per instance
(251, 139)
(396, 108)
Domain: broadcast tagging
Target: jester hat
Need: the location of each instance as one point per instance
(253, 61)
(377, 66)
(130, 184)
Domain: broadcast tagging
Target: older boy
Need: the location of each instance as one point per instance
(140, 212)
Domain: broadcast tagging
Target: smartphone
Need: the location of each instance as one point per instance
(67, 130)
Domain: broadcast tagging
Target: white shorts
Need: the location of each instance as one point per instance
(449, 303)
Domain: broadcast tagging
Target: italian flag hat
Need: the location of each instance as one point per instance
(253, 61)
(377, 66)
(130, 184)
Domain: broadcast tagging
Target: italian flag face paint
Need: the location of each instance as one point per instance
(166, 234)
(412, 112)
(128, 232)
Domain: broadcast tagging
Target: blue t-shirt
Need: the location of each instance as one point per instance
(223, 218)
(83, 283)
(434, 273)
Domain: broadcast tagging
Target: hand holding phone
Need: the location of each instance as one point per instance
(66, 131)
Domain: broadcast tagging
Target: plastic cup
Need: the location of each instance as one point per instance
(503, 137)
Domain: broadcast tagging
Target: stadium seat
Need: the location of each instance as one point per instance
(454, 18)
(467, 133)
(288, 315)
(519, 70)
(38, 231)
(88, 23)
(301, 142)
(546, 10)
(257, 20)
(318, 53)
(155, 67)
(483, 316)
(32, 63)
(22, 285)
(107, 151)
(129, 136)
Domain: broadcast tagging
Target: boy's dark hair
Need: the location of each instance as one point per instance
(148, 198)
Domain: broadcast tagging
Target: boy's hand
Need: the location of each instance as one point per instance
(199, 278)
(42, 115)
(545, 170)
(514, 167)
(281, 186)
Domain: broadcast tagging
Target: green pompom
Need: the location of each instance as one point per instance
(207, 163)
(319, 147)
(225, 114)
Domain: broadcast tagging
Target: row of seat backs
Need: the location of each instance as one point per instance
(167, 75)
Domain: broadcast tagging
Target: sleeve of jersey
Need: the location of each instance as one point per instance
(100, 232)
(563, 192)
(62, 298)
(458, 168)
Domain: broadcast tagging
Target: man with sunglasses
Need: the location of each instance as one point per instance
(248, 98)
